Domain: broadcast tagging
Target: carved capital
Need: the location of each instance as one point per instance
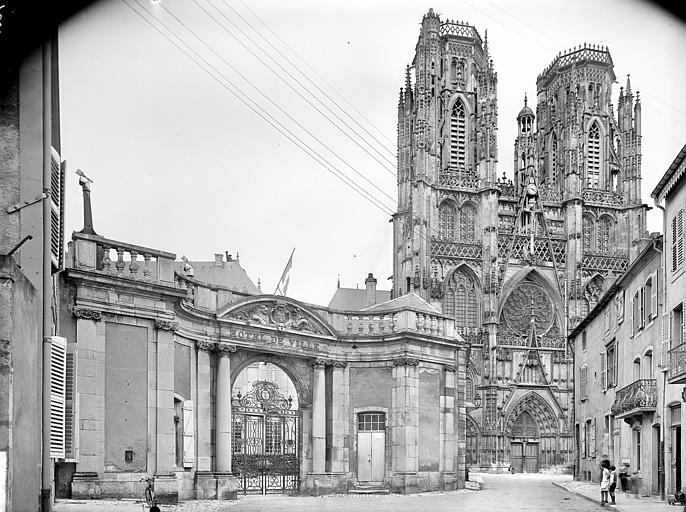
(338, 364)
(405, 361)
(450, 368)
(225, 349)
(206, 345)
(319, 363)
(86, 313)
(166, 325)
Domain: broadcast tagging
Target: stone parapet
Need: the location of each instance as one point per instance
(320, 484)
(404, 482)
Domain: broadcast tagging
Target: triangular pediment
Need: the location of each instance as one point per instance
(277, 312)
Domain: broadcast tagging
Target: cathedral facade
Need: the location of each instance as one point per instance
(516, 262)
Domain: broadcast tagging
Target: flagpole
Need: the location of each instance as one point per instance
(283, 274)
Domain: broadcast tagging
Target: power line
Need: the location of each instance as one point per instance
(263, 114)
(235, 70)
(391, 151)
(391, 169)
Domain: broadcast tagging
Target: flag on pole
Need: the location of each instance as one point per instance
(285, 277)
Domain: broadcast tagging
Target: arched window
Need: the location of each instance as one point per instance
(605, 235)
(469, 390)
(446, 221)
(467, 223)
(588, 233)
(459, 301)
(458, 136)
(593, 157)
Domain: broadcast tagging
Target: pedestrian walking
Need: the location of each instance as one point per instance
(604, 481)
(613, 484)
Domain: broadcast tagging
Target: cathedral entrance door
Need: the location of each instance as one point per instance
(516, 456)
(371, 442)
(530, 462)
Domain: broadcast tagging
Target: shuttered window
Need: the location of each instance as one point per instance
(57, 172)
(582, 382)
(71, 431)
(678, 240)
(58, 383)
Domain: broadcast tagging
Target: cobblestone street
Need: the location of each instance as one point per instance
(531, 492)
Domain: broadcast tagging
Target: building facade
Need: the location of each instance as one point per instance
(515, 262)
(618, 390)
(670, 196)
(219, 390)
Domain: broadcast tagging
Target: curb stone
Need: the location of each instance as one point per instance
(582, 495)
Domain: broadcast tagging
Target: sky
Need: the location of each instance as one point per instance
(181, 164)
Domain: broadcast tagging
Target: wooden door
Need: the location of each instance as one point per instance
(531, 458)
(370, 456)
(516, 453)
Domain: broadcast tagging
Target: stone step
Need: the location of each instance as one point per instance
(368, 489)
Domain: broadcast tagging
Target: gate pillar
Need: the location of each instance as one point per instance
(227, 485)
(319, 419)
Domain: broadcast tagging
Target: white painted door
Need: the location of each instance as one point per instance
(370, 456)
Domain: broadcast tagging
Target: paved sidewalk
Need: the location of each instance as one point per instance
(626, 502)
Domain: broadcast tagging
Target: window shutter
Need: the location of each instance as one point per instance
(603, 370)
(642, 307)
(680, 238)
(593, 437)
(58, 375)
(631, 318)
(583, 439)
(188, 434)
(664, 356)
(653, 295)
(71, 431)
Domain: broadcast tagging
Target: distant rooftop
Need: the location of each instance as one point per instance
(227, 273)
(408, 301)
(352, 299)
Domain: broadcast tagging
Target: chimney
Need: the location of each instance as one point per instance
(218, 260)
(370, 295)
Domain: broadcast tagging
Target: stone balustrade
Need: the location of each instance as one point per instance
(109, 257)
(387, 323)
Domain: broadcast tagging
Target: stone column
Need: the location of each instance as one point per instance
(405, 424)
(223, 400)
(227, 485)
(90, 337)
(340, 418)
(319, 418)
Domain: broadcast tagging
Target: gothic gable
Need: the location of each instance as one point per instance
(277, 312)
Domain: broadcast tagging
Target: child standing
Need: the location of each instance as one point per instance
(604, 481)
(613, 484)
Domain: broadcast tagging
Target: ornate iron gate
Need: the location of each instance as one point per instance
(265, 442)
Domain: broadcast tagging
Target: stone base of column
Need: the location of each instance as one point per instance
(450, 481)
(205, 485)
(166, 489)
(320, 484)
(227, 486)
(85, 485)
(404, 483)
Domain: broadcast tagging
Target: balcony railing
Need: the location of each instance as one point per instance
(636, 398)
(677, 365)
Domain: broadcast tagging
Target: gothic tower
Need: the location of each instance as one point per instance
(516, 262)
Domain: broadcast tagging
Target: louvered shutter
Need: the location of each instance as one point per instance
(631, 318)
(679, 240)
(58, 376)
(603, 370)
(71, 406)
(584, 433)
(653, 295)
(664, 357)
(188, 434)
(593, 437)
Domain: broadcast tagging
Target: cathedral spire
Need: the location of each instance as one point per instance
(628, 85)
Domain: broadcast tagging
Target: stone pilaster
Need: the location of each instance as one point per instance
(204, 451)
(405, 425)
(448, 438)
(318, 418)
(90, 336)
(165, 437)
(340, 418)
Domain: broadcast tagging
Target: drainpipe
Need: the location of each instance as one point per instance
(663, 423)
(46, 463)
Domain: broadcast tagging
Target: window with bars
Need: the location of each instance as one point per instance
(446, 221)
(604, 235)
(371, 421)
(588, 233)
(458, 136)
(678, 241)
(593, 157)
(467, 223)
